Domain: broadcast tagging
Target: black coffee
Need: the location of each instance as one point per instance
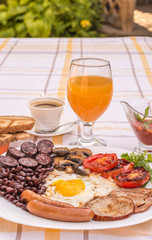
(46, 104)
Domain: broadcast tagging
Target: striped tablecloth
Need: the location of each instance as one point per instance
(36, 67)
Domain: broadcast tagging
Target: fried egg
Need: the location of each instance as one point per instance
(76, 189)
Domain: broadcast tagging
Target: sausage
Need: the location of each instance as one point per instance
(29, 195)
(29, 149)
(43, 159)
(45, 146)
(28, 162)
(15, 153)
(7, 161)
(60, 214)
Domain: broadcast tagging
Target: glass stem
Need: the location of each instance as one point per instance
(87, 132)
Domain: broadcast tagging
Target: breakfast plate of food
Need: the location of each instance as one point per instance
(64, 187)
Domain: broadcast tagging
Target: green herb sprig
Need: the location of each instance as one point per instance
(140, 119)
(140, 160)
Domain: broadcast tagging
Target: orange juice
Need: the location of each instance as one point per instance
(89, 96)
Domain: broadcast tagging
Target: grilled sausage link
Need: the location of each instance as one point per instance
(29, 195)
(59, 213)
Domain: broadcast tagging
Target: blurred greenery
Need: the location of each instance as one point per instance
(50, 18)
(3, 1)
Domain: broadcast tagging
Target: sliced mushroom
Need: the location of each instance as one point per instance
(79, 170)
(61, 151)
(77, 159)
(57, 163)
(76, 151)
(85, 152)
(68, 163)
(58, 159)
(61, 164)
(59, 167)
(87, 170)
(69, 170)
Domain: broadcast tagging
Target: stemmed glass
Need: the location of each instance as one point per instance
(89, 92)
(139, 115)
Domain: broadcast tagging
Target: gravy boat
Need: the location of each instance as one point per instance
(139, 115)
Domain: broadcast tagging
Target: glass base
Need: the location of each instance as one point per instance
(87, 143)
(143, 148)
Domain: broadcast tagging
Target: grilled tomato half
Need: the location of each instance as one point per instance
(137, 177)
(101, 162)
(123, 166)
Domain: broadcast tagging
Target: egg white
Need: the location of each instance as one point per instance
(95, 186)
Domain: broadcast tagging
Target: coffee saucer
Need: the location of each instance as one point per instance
(62, 130)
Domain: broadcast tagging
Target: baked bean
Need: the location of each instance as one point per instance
(20, 190)
(18, 204)
(20, 178)
(22, 173)
(5, 175)
(34, 189)
(28, 178)
(1, 181)
(30, 183)
(13, 170)
(2, 193)
(9, 189)
(43, 181)
(6, 196)
(19, 168)
(29, 170)
(3, 187)
(11, 198)
(10, 177)
(15, 192)
(28, 174)
(33, 178)
(40, 191)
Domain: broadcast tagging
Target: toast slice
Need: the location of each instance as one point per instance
(13, 124)
(20, 136)
(7, 138)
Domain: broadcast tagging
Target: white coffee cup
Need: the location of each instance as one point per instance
(47, 112)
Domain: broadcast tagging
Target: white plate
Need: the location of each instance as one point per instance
(12, 213)
(60, 131)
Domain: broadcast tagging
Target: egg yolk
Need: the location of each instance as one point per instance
(69, 188)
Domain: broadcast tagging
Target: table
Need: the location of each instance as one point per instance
(36, 67)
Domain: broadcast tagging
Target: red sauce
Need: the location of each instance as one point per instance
(143, 133)
(4, 148)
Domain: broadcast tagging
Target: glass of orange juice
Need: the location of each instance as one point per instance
(89, 92)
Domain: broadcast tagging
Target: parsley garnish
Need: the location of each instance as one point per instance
(140, 119)
(140, 160)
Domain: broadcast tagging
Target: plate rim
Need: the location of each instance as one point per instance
(79, 226)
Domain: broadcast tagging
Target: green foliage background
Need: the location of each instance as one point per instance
(55, 18)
